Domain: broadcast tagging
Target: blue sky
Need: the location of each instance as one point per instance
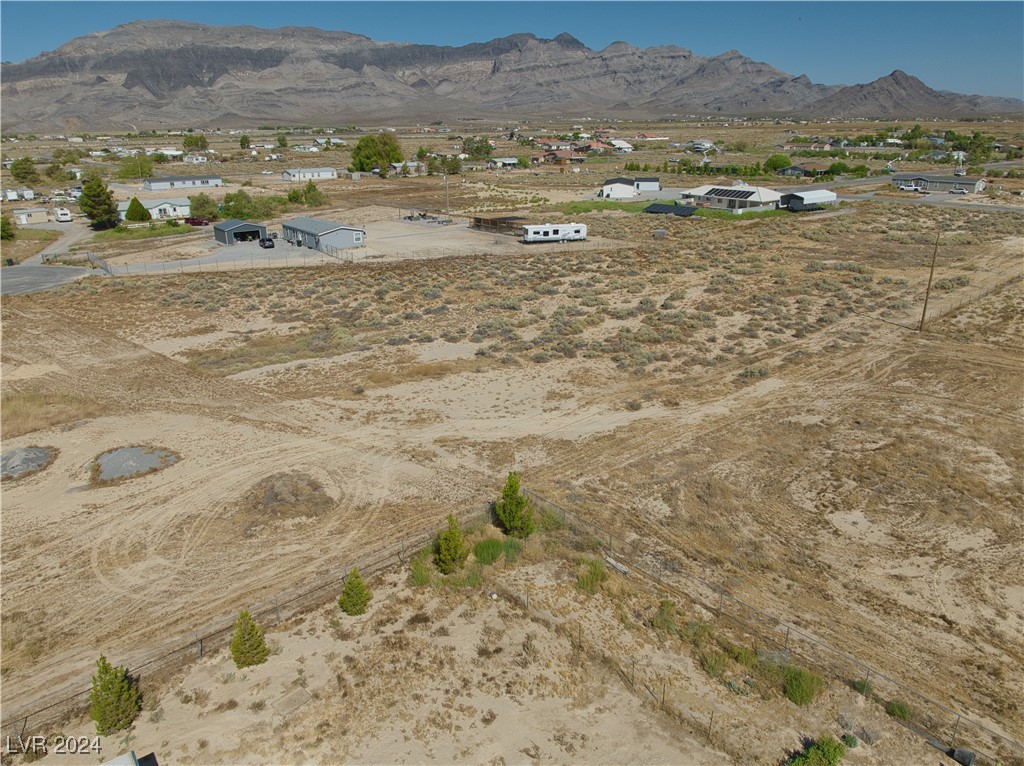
(966, 47)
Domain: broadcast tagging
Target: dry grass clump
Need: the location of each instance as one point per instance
(25, 412)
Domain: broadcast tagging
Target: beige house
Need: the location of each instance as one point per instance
(30, 216)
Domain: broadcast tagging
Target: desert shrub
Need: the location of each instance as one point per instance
(248, 646)
(512, 550)
(114, 700)
(592, 573)
(850, 741)
(744, 655)
(863, 686)
(665, 619)
(827, 751)
(800, 685)
(514, 510)
(419, 572)
(697, 633)
(488, 551)
(898, 709)
(547, 520)
(450, 550)
(356, 595)
(713, 663)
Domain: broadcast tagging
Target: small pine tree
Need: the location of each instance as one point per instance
(114, 698)
(356, 595)
(450, 549)
(514, 510)
(248, 647)
(6, 228)
(137, 211)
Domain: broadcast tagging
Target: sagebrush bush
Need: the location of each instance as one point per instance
(592, 574)
(898, 709)
(713, 663)
(827, 751)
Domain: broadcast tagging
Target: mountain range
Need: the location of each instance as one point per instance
(156, 74)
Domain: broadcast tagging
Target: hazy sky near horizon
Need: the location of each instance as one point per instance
(966, 47)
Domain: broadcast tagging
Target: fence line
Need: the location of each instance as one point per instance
(281, 607)
(930, 718)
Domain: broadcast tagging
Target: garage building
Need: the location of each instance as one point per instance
(322, 235)
(808, 200)
(233, 231)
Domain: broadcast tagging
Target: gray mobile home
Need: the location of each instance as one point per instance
(323, 235)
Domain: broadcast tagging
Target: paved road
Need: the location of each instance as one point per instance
(32, 278)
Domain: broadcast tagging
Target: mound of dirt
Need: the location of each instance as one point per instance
(286, 495)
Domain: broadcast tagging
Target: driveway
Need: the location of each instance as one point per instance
(32, 278)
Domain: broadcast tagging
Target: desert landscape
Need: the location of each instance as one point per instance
(748, 402)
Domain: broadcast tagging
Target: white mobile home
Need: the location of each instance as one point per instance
(309, 174)
(554, 232)
(163, 183)
(174, 207)
(647, 184)
(618, 188)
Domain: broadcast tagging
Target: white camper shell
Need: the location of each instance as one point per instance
(554, 232)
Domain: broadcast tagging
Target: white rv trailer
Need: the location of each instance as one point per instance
(554, 232)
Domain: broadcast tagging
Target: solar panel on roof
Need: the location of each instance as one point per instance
(732, 193)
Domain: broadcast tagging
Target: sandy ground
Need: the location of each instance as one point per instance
(838, 477)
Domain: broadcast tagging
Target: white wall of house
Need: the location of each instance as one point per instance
(309, 174)
(618, 191)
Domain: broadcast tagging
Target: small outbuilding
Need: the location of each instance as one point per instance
(808, 200)
(233, 231)
(647, 184)
(322, 235)
(30, 216)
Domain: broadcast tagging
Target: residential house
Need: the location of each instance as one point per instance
(806, 170)
(738, 199)
(940, 183)
(195, 159)
(502, 162)
(647, 184)
(322, 235)
(620, 146)
(309, 174)
(163, 183)
(618, 188)
(171, 207)
(564, 157)
(410, 167)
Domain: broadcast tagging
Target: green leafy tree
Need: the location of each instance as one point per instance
(421, 153)
(6, 228)
(522, 161)
(203, 206)
(312, 195)
(195, 143)
(776, 162)
(282, 140)
(244, 142)
(450, 549)
(514, 510)
(137, 211)
(433, 166)
(24, 170)
(97, 202)
(114, 700)
(248, 647)
(377, 150)
(839, 168)
(476, 147)
(243, 206)
(451, 165)
(296, 196)
(356, 595)
(139, 166)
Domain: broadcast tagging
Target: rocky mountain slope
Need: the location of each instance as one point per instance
(159, 73)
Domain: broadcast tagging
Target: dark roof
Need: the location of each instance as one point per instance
(932, 177)
(648, 179)
(316, 226)
(731, 193)
(234, 223)
(627, 181)
(681, 210)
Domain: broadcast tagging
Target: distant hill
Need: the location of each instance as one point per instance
(158, 73)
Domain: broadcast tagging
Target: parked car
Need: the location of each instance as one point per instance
(266, 243)
(62, 215)
(958, 190)
(910, 187)
(197, 222)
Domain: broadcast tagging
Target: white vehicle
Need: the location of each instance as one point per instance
(554, 232)
(911, 187)
(61, 215)
(958, 190)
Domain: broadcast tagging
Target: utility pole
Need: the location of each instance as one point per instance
(928, 290)
(447, 207)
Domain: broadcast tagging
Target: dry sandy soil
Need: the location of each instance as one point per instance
(745, 398)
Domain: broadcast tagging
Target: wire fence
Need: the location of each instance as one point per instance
(74, 699)
(933, 720)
